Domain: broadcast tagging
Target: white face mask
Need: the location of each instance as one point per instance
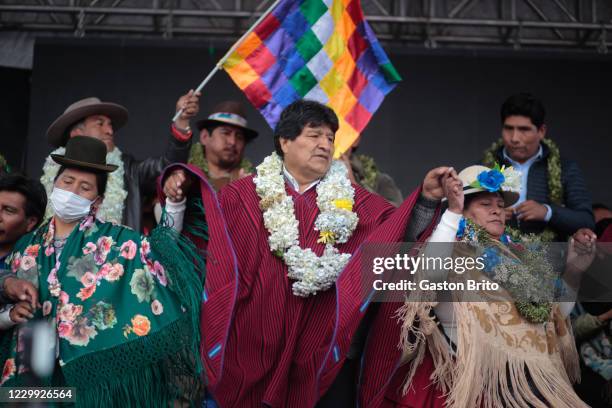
(68, 206)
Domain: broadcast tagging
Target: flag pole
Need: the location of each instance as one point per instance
(220, 63)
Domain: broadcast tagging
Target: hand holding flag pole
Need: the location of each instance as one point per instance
(220, 63)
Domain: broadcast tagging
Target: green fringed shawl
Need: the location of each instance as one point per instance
(127, 310)
(178, 252)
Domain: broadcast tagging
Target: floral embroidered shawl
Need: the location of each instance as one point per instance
(124, 319)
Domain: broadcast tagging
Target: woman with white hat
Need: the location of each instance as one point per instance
(504, 348)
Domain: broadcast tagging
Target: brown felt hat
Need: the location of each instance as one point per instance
(229, 113)
(85, 153)
(57, 134)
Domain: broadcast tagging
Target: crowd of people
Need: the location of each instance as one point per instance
(201, 278)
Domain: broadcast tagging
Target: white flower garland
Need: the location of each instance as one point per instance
(111, 209)
(336, 223)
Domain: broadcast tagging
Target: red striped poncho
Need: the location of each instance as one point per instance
(260, 343)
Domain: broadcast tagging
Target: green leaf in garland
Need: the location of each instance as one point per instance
(534, 312)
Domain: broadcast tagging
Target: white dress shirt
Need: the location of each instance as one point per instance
(523, 168)
(294, 184)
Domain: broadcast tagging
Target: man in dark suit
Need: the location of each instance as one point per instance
(554, 200)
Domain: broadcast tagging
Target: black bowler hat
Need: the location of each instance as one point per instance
(85, 153)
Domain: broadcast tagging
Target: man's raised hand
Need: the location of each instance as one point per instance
(177, 185)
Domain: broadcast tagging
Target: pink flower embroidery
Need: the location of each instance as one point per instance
(8, 370)
(64, 329)
(46, 308)
(55, 289)
(104, 246)
(115, 273)
(27, 262)
(157, 308)
(32, 250)
(160, 273)
(69, 312)
(99, 258)
(103, 271)
(86, 293)
(86, 223)
(52, 278)
(89, 248)
(16, 263)
(81, 333)
(128, 250)
(64, 298)
(50, 250)
(88, 279)
(145, 249)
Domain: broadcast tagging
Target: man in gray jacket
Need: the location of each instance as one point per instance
(123, 198)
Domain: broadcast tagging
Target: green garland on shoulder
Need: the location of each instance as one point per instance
(533, 312)
(516, 235)
(370, 171)
(555, 185)
(196, 157)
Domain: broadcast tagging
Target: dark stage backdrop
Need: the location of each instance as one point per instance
(14, 101)
(445, 112)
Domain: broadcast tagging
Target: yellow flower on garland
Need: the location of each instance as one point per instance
(326, 237)
(344, 204)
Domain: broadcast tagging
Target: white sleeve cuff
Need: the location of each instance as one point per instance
(446, 230)
(5, 318)
(548, 213)
(176, 211)
(175, 207)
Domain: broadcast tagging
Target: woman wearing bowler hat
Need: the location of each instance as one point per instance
(124, 314)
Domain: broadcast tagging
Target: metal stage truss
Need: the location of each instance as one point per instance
(568, 24)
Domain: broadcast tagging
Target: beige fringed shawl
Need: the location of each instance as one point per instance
(500, 357)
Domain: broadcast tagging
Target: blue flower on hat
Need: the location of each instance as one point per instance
(491, 180)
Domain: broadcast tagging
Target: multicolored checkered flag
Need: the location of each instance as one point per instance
(314, 49)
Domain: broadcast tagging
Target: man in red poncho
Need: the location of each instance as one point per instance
(283, 300)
